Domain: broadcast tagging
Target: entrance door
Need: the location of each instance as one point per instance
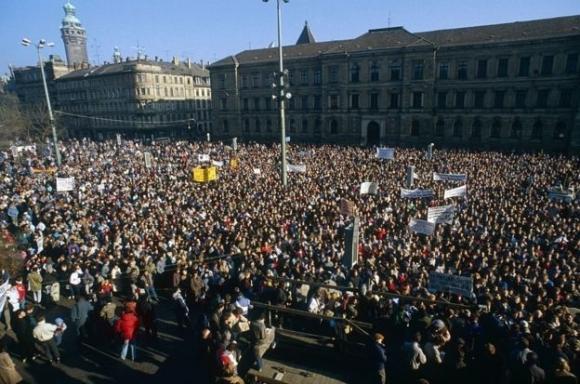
(373, 133)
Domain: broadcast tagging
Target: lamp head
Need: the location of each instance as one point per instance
(26, 42)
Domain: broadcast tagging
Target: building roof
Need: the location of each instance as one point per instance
(399, 37)
(306, 37)
(129, 66)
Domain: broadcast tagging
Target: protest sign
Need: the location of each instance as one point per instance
(65, 184)
(257, 171)
(441, 215)
(147, 156)
(455, 192)
(416, 193)
(217, 163)
(386, 153)
(203, 158)
(204, 174)
(369, 188)
(423, 227)
(118, 139)
(3, 294)
(558, 194)
(449, 177)
(444, 282)
(301, 168)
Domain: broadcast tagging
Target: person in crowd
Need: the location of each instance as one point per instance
(79, 315)
(8, 372)
(378, 359)
(44, 333)
(126, 327)
(24, 333)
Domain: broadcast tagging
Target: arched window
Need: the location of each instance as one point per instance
(458, 129)
(537, 130)
(560, 132)
(258, 126)
(516, 131)
(476, 129)
(415, 128)
(333, 127)
(269, 126)
(292, 125)
(354, 73)
(495, 129)
(374, 71)
(440, 128)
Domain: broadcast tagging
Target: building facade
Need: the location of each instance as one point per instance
(136, 98)
(74, 37)
(510, 85)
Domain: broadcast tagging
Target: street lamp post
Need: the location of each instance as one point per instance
(41, 44)
(281, 96)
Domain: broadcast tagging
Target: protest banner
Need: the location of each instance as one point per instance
(423, 227)
(235, 143)
(49, 170)
(386, 153)
(218, 164)
(558, 194)
(287, 139)
(3, 294)
(444, 282)
(65, 184)
(118, 139)
(455, 192)
(346, 207)
(257, 171)
(416, 193)
(233, 163)
(147, 157)
(204, 174)
(441, 215)
(369, 187)
(203, 158)
(300, 168)
(449, 177)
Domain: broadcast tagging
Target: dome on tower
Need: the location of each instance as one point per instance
(69, 15)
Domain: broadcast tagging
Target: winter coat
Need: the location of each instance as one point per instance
(35, 281)
(80, 311)
(8, 372)
(127, 325)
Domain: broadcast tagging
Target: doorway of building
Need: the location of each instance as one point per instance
(373, 133)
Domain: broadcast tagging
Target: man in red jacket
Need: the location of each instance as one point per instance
(127, 327)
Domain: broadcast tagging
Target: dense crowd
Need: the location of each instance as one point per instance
(129, 227)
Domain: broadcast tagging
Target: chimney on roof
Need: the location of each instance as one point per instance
(156, 58)
(201, 64)
(175, 60)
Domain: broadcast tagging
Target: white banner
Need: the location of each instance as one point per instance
(449, 177)
(300, 168)
(386, 153)
(202, 158)
(422, 226)
(416, 193)
(65, 184)
(217, 163)
(147, 156)
(235, 143)
(118, 139)
(257, 171)
(3, 291)
(369, 187)
(441, 215)
(444, 282)
(561, 195)
(287, 139)
(455, 192)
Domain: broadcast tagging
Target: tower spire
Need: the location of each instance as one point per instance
(74, 37)
(306, 36)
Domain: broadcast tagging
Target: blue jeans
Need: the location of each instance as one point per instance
(152, 293)
(125, 349)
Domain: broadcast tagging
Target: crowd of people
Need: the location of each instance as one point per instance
(129, 227)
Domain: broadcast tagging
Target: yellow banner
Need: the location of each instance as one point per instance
(204, 174)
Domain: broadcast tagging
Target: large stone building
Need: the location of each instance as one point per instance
(137, 97)
(512, 85)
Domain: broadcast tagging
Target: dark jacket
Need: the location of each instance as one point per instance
(79, 313)
(377, 356)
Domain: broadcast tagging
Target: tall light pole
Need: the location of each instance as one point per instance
(41, 44)
(282, 95)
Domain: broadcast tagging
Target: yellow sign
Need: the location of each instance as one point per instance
(204, 174)
(233, 163)
(50, 171)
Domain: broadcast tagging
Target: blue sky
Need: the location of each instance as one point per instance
(212, 29)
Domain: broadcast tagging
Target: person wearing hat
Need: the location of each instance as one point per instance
(61, 327)
(378, 359)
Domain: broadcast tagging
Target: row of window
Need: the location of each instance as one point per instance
(515, 130)
(459, 70)
(168, 79)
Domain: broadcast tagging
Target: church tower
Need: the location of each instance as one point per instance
(74, 37)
